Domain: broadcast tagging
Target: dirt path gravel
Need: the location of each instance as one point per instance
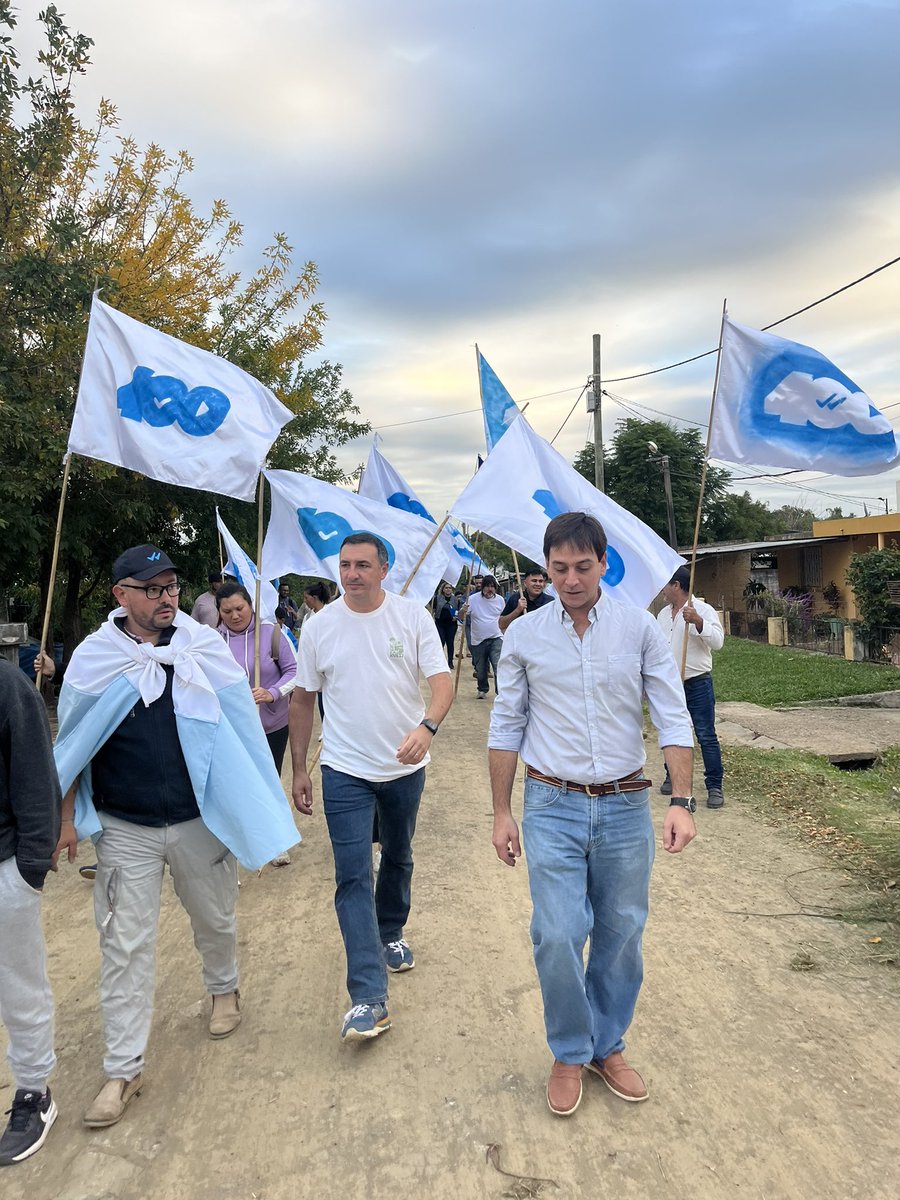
(765, 1081)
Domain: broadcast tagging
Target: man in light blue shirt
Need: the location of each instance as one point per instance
(572, 675)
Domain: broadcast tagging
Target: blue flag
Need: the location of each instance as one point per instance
(500, 410)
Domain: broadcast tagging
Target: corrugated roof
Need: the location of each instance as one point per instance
(732, 547)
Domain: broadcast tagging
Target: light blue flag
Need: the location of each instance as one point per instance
(782, 404)
(382, 481)
(243, 568)
(500, 410)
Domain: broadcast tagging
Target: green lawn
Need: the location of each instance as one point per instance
(773, 675)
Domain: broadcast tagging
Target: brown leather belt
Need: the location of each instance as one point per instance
(635, 782)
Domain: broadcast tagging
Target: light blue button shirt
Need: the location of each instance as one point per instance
(571, 707)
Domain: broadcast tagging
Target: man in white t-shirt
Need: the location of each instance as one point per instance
(484, 609)
(365, 653)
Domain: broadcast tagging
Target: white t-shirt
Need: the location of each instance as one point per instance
(367, 667)
(485, 616)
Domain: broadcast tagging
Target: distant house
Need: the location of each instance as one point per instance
(803, 562)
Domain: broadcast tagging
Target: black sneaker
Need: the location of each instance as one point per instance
(30, 1119)
(665, 788)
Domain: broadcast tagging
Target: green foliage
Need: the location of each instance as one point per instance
(738, 517)
(776, 675)
(869, 574)
(637, 484)
(66, 226)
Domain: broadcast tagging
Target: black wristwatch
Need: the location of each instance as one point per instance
(432, 725)
(687, 802)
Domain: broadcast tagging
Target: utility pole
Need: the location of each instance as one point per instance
(594, 407)
(662, 461)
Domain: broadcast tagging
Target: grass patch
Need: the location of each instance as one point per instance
(776, 675)
(853, 816)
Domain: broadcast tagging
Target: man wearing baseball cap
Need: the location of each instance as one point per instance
(163, 762)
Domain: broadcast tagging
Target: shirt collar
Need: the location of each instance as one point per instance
(593, 614)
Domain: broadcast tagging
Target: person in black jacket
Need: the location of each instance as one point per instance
(29, 830)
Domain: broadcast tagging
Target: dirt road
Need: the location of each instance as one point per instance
(765, 1082)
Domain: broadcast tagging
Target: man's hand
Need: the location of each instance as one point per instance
(68, 840)
(302, 792)
(263, 696)
(692, 617)
(44, 665)
(415, 745)
(678, 829)
(506, 839)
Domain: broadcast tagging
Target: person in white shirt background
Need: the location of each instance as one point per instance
(572, 678)
(484, 609)
(685, 615)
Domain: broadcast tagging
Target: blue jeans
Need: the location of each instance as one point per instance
(701, 704)
(369, 919)
(486, 654)
(589, 861)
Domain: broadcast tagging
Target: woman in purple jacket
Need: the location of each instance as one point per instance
(277, 662)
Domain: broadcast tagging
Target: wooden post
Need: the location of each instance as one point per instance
(599, 483)
(424, 554)
(67, 460)
(518, 576)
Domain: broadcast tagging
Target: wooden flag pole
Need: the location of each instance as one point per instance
(423, 555)
(259, 546)
(518, 576)
(221, 548)
(462, 628)
(67, 460)
(712, 412)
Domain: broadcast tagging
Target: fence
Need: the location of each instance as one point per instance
(824, 635)
(754, 626)
(882, 645)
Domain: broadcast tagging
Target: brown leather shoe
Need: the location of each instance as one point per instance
(225, 1016)
(564, 1088)
(110, 1102)
(623, 1081)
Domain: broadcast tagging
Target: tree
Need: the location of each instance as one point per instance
(637, 484)
(738, 517)
(66, 226)
(869, 574)
(792, 518)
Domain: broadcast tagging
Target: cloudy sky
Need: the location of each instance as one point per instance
(524, 175)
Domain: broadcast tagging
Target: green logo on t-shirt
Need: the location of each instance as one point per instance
(395, 648)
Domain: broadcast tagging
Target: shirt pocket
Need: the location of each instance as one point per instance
(623, 675)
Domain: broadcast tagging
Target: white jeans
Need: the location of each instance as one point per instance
(26, 1003)
(130, 863)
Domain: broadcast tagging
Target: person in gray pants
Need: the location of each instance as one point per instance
(29, 829)
(147, 808)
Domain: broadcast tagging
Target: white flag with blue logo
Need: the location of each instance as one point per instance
(782, 404)
(525, 482)
(154, 404)
(500, 410)
(243, 568)
(381, 481)
(310, 520)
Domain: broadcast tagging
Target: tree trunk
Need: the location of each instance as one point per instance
(72, 625)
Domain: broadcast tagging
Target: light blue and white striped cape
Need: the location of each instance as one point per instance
(237, 788)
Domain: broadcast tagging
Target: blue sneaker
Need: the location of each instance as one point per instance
(398, 956)
(365, 1021)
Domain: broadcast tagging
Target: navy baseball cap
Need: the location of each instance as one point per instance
(141, 562)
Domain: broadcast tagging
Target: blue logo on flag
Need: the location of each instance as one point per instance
(163, 400)
(615, 567)
(326, 531)
(800, 400)
(407, 504)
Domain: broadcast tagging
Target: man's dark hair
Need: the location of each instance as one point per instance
(683, 578)
(577, 529)
(227, 590)
(319, 590)
(488, 581)
(367, 539)
(534, 571)
(214, 577)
